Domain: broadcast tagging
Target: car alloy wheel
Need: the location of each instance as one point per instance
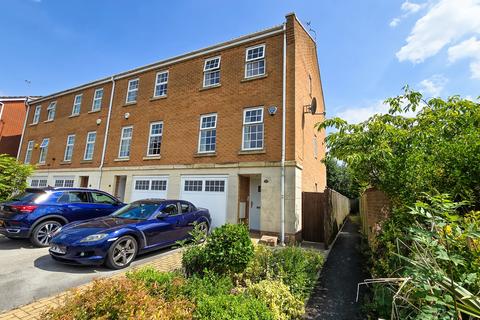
(124, 252)
(45, 232)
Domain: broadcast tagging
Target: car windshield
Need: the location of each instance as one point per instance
(28, 196)
(137, 210)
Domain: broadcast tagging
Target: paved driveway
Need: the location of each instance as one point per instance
(28, 273)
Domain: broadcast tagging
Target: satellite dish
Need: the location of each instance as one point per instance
(313, 106)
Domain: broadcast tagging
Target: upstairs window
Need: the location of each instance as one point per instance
(253, 129)
(28, 153)
(90, 145)
(125, 142)
(43, 151)
(77, 104)
(208, 133)
(51, 111)
(97, 100)
(36, 114)
(132, 91)
(211, 72)
(69, 148)
(255, 61)
(161, 84)
(155, 139)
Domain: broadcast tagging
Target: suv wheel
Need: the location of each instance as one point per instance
(43, 233)
(122, 252)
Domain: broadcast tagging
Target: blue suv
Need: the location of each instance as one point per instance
(38, 213)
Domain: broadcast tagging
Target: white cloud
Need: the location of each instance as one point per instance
(434, 85)
(446, 22)
(356, 115)
(408, 8)
(469, 49)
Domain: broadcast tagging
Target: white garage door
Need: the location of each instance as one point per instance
(149, 187)
(208, 192)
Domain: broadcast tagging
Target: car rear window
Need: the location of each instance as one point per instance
(28, 196)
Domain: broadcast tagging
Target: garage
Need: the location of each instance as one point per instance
(149, 187)
(207, 192)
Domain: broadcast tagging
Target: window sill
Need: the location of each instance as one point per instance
(86, 161)
(158, 98)
(210, 87)
(33, 124)
(254, 78)
(152, 158)
(121, 159)
(74, 115)
(65, 163)
(244, 152)
(204, 154)
(94, 111)
(47, 121)
(130, 104)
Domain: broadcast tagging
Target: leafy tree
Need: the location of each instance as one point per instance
(340, 179)
(434, 151)
(13, 176)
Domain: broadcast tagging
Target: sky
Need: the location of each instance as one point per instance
(367, 50)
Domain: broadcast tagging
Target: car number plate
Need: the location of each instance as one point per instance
(58, 249)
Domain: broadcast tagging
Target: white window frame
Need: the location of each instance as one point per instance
(69, 144)
(64, 182)
(43, 151)
(95, 99)
(41, 181)
(29, 151)
(247, 61)
(211, 70)
(36, 114)
(150, 136)
(51, 110)
(207, 129)
(157, 84)
(253, 123)
(129, 90)
(88, 143)
(122, 138)
(77, 104)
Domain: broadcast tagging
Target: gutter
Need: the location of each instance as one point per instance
(27, 104)
(107, 127)
(284, 112)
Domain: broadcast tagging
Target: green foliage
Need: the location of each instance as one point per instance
(228, 250)
(340, 179)
(295, 267)
(13, 176)
(232, 307)
(118, 299)
(165, 284)
(211, 284)
(283, 304)
(435, 151)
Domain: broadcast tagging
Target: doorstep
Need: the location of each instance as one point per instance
(34, 310)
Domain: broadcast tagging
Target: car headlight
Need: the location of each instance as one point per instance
(94, 237)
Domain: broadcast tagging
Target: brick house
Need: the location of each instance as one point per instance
(227, 127)
(12, 118)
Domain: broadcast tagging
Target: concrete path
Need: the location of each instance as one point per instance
(335, 292)
(28, 274)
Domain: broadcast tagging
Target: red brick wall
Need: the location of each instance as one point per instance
(11, 125)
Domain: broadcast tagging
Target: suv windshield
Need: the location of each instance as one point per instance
(29, 196)
(139, 211)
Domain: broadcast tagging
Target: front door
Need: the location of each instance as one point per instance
(120, 184)
(84, 181)
(254, 207)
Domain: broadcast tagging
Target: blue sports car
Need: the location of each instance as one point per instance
(139, 227)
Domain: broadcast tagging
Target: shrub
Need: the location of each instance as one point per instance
(13, 176)
(119, 299)
(277, 296)
(228, 250)
(165, 284)
(211, 284)
(231, 307)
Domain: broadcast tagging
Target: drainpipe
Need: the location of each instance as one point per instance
(107, 127)
(27, 104)
(284, 104)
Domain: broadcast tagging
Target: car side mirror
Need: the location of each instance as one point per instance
(162, 215)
